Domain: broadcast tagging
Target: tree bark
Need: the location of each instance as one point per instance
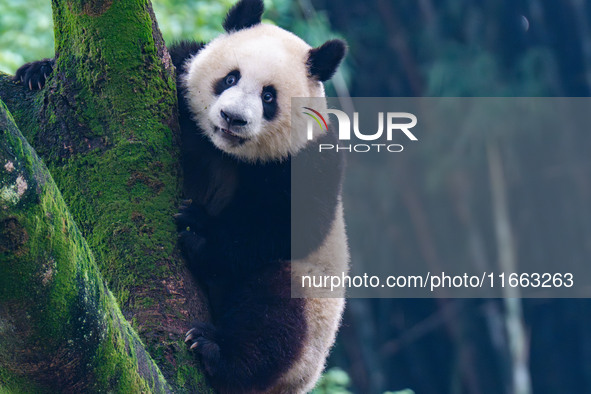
(60, 328)
(105, 125)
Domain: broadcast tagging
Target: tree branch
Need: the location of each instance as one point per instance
(60, 328)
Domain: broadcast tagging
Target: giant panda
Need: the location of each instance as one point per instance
(235, 113)
(235, 227)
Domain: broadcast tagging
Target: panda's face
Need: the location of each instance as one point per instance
(239, 89)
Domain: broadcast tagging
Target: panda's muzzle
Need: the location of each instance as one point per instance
(233, 131)
(232, 119)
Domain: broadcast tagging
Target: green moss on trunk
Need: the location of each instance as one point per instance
(105, 125)
(60, 328)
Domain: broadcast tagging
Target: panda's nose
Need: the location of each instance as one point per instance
(232, 119)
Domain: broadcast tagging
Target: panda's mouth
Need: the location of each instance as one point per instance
(230, 136)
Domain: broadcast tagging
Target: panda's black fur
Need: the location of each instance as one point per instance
(235, 231)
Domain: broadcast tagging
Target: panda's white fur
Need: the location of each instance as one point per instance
(265, 54)
(299, 337)
(323, 314)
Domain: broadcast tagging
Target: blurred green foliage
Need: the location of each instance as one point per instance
(334, 381)
(26, 28)
(337, 381)
(405, 391)
(185, 19)
(26, 32)
(468, 69)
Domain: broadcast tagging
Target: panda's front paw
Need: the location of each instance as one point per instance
(191, 217)
(35, 74)
(202, 338)
(192, 246)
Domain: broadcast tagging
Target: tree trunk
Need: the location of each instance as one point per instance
(105, 125)
(60, 328)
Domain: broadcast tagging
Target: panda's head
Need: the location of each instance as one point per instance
(239, 87)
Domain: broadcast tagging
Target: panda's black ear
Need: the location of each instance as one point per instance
(244, 14)
(323, 61)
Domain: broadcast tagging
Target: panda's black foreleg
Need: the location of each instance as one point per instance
(192, 221)
(191, 217)
(192, 246)
(258, 333)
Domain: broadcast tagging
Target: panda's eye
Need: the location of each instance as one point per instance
(230, 80)
(268, 97)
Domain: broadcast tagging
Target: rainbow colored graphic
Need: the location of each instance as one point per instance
(316, 118)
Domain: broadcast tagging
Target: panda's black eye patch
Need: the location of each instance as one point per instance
(269, 98)
(226, 82)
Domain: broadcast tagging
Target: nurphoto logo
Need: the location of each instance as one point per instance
(396, 123)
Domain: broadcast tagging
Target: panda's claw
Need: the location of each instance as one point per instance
(34, 74)
(189, 336)
(202, 334)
